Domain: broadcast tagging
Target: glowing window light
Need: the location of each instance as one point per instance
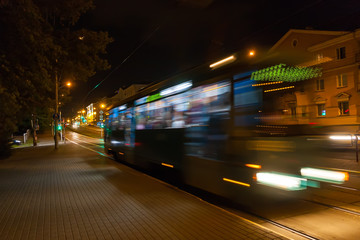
(122, 107)
(325, 175)
(281, 181)
(236, 182)
(279, 89)
(167, 165)
(253, 166)
(177, 88)
(141, 101)
(223, 61)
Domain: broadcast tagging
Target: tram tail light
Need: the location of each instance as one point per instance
(325, 175)
(281, 181)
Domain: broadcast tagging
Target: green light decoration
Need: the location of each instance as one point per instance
(153, 97)
(285, 73)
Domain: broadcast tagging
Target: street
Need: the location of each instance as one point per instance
(78, 191)
(311, 213)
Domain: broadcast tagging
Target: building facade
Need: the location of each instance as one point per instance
(332, 100)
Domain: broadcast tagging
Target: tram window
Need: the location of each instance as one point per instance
(186, 109)
(257, 104)
(113, 119)
(247, 103)
(164, 113)
(208, 117)
(245, 94)
(206, 100)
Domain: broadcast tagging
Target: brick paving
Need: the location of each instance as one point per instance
(72, 193)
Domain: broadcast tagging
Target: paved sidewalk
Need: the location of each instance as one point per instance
(71, 193)
(46, 139)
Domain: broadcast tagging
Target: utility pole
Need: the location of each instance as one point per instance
(34, 125)
(56, 115)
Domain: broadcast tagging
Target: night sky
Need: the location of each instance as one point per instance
(159, 38)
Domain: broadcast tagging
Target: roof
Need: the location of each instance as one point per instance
(318, 32)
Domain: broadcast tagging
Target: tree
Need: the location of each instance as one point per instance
(40, 42)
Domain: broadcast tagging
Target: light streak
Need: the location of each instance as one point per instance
(279, 89)
(236, 182)
(223, 61)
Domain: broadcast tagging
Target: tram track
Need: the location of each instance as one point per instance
(356, 213)
(287, 228)
(256, 217)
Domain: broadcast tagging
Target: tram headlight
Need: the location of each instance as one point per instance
(282, 181)
(325, 175)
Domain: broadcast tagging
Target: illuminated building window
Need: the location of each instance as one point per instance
(341, 80)
(321, 111)
(344, 108)
(294, 43)
(293, 111)
(340, 53)
(319, 56)
(320, 84)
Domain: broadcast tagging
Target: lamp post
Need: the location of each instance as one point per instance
(102, 106)
(56, 116)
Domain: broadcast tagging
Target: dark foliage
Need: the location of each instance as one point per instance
(40, 41)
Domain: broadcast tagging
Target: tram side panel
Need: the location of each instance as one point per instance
(160, 146)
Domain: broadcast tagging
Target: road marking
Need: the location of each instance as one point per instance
(85, 135)
(102, 154)
(94, 144)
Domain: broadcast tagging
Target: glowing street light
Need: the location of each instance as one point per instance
(56, 115)
(251, 53)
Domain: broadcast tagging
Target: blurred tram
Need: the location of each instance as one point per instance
(223, 131)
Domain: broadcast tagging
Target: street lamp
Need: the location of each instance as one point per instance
(251, 53)
(56, 116)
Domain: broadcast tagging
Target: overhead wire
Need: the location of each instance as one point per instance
(125, 59)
